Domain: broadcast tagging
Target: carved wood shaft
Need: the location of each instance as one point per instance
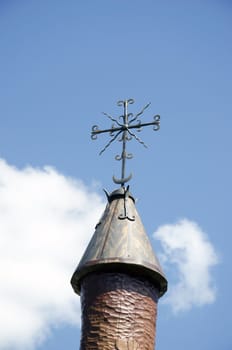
(118, 312)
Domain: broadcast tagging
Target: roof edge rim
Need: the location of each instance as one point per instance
(152, 272)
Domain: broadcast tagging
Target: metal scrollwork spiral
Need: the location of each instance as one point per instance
(94, 130)
(156, 126)
(118, 157)
(129, 156)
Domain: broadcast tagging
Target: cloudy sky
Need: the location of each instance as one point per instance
(63, 63)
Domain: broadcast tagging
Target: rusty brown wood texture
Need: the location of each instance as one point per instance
(118, 312)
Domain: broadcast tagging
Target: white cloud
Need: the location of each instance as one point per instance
(187, 247)
(46, 220)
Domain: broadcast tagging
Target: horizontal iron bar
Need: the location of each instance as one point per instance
(123, 128)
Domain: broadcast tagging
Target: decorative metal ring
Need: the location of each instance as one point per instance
(118, 157)
(156, 126)
(94, 129)
(120, 103)
(129, 155)
(123, 217)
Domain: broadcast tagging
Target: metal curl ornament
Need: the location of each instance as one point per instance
(156, 126)
(94, 132)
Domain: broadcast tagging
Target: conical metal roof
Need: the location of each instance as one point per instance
(120, 244)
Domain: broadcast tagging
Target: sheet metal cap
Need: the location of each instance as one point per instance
(120, 244)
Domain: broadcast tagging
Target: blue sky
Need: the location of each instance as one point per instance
(62, 64)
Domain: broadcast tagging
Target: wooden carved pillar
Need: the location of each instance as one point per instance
(118, 312)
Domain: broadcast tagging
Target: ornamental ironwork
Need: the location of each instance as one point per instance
(122, 131)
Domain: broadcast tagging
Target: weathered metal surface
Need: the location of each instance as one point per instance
(127, 135)
(118, 312)
(120, 244)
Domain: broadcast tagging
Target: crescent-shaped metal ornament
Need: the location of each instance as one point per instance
(122, 181)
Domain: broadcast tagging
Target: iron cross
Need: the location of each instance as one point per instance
(124, 130)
